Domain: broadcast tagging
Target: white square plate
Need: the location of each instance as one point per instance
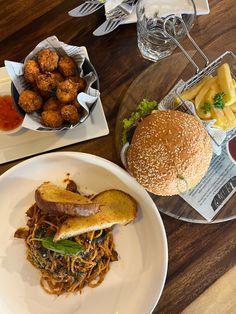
(26, 142)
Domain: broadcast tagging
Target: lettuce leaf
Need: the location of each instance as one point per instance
(144, 108)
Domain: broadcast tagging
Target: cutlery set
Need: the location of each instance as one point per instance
(88, 7)
(114, 17)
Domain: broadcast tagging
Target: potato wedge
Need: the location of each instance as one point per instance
(234, 83)
(226, 84)
(200, 98)
(233, 107)
(229, 115)
(204, 115)
(192, 92)
(219, 115)
(214, 89)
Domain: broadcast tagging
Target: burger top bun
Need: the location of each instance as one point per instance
(170, 152)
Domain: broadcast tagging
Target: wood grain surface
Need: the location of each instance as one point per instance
(222, 304)
(198, 254)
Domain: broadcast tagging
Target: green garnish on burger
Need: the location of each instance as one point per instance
(143, 109)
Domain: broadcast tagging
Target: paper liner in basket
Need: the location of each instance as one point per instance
(218, 136)
(79, 54)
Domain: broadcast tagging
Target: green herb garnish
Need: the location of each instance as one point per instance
(218, 100)
(64, 247)
(206, 107)
(143, 109)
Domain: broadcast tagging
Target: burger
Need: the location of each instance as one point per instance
(169, 153)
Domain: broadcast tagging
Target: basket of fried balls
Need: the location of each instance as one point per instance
(54, 84)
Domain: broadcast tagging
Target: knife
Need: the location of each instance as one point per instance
(115, 17)
(86, 8)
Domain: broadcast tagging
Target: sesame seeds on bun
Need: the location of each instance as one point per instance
(170, 152)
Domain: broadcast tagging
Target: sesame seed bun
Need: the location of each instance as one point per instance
(170, 152)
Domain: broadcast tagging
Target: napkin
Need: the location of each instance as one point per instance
(202, 7)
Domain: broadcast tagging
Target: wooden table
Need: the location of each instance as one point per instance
(198, 254)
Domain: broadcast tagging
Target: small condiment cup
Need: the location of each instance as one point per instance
(17, 129)
(231, 149)
(5, 90)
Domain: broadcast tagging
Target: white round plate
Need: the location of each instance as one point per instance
(133, 284)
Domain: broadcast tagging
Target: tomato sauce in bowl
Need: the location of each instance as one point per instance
(10, 119)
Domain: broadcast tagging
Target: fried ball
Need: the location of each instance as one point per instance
(52, 119)
(31, 71)
(67, 66)
(76, 104)
(81, 83)
(70, 114)
(46, 82)
(66, 91)
(30, 101)
(58, 77)
(48, 60)
(45, 94)
(35, 88)
(51, 104)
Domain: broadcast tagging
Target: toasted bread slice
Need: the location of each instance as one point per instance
(52, 198)
(117, 207)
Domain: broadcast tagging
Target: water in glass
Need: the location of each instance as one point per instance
(152, 41)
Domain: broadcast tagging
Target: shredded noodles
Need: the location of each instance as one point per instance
(61, 273)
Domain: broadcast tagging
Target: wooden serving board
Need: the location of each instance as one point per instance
(153, 84)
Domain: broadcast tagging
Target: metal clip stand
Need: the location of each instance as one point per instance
(208, 69)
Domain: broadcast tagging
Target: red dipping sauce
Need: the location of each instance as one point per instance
(10, 119)
(232, 149)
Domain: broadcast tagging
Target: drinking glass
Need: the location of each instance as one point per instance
(152, 41)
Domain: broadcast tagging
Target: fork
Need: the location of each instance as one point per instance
(115, 17)
(86, 8)
(122, 10)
